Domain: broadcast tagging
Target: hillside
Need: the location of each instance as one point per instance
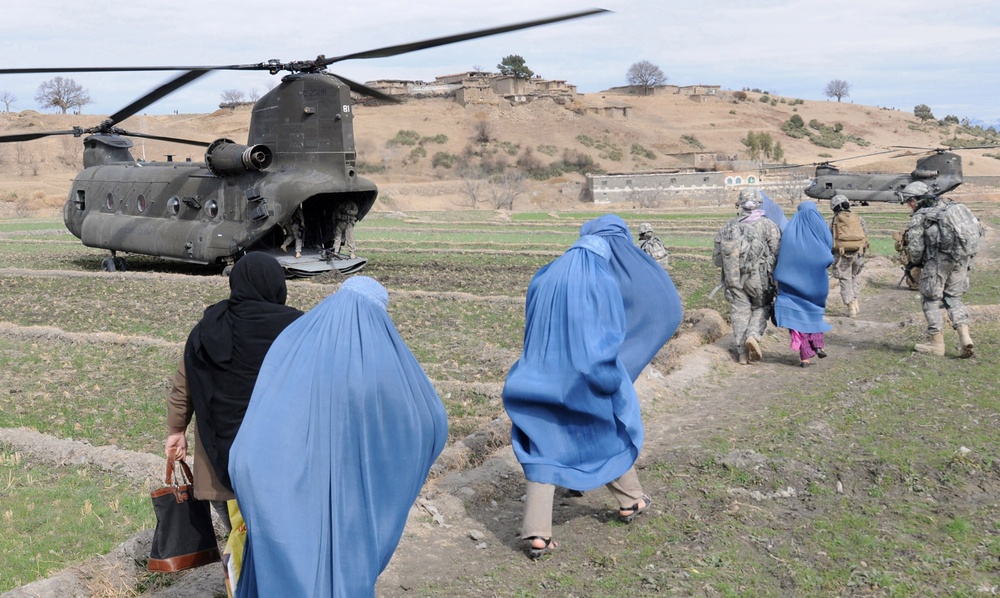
(37, 173)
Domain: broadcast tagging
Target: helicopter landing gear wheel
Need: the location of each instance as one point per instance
(108, 264)
(227, 270)
(120, 264)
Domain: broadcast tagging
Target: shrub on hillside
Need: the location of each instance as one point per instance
(444, 160)
(404, 137)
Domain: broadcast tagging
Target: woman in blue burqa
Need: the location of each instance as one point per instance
(803, 284)
(652, 304)
(341, 431)
(575, 413)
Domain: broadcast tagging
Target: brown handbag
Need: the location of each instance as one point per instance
(184, 537)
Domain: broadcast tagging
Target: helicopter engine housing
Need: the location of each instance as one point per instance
(225, 156)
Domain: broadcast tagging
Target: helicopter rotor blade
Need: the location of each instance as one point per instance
(30, 136)
(129, 69)
(887, 151)
(368, 91)
(151, 97)
(275, 66)
(451, 39)
(879, 153)
(163, 138)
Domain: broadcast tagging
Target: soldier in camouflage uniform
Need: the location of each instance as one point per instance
(295, 231)
(343, 233)
(746, 249)
(847, 264)
(652, 245)
(944, 252)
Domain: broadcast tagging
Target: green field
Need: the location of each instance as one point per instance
(89, 355)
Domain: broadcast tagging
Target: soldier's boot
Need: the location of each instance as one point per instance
(934, 347)
(743, 359)
(852, 309)
(284, 248)
(857, 306)
(753, 349)
(965, 341)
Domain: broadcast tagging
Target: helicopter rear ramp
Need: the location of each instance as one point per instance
(313, 264)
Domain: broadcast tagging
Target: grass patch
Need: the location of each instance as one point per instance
(56, 516)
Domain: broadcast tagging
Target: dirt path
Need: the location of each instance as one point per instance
(693, 392)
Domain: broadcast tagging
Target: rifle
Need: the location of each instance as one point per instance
(907, 275)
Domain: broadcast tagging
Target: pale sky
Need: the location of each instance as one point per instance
(893, 53)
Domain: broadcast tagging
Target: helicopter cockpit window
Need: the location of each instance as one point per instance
(109, 201)
(174, 205)
(212, 208)
(140, 203)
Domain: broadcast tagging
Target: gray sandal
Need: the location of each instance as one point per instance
(635, 510)
(537, 553)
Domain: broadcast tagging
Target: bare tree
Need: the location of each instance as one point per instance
(838, 89)
(647, 197)
(63, 94)
(71, 152)
(253, 95)
(646, 74)
(505, 187)
(7, 98)
(472, 183)
(231, 97)
(788, 186)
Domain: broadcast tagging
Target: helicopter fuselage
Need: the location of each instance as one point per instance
(300, 151)
(941, 171)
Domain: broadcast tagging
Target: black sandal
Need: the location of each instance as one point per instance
(636, 511)
(537, 553)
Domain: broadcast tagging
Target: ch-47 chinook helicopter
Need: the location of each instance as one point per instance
(941, 171)
(300, 151)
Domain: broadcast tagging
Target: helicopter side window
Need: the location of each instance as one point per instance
(109, 201)
(751, 179)
(212, 208)
(739, 180)
(140, 203)
(81, 200)
(174, 205)
(729, 180)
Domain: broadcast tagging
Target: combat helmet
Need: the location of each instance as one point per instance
(749, 199)
(839, 202)
(917, 190)
(645, 229)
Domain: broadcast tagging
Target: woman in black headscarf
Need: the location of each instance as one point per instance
(217, 374)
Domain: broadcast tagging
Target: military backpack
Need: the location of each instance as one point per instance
(848, 233)
(741, 249)
(959, 231)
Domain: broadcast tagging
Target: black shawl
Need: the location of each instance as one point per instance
(225, 349)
